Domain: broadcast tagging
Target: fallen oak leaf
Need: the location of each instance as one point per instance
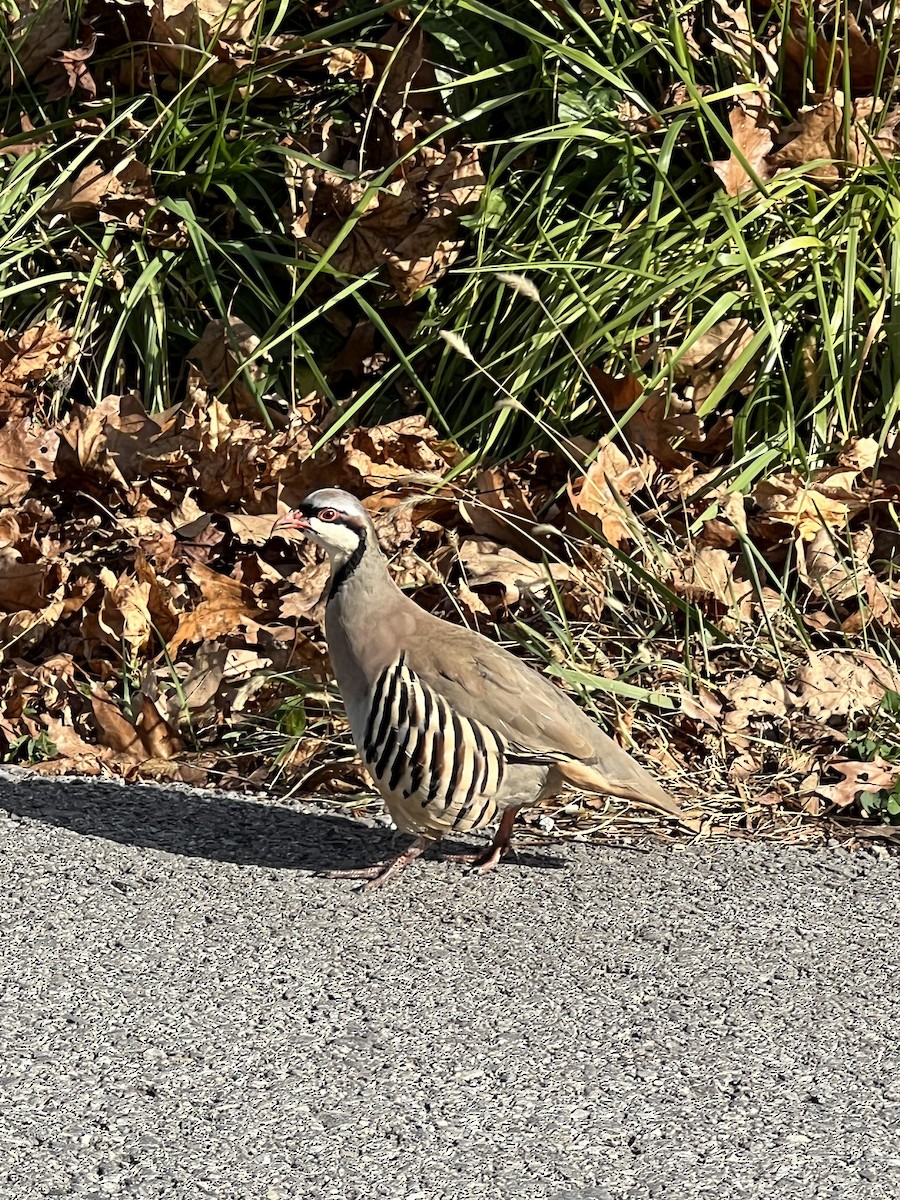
(125, 192)
(114, 730)
(704, 707)
(829, 497)
(157, 736)
(488, 565)
(859, 777)
(833, 683)
(68, 72)
(823, 143)
(226, 606)
(200, 686)
(731, 33)
(226, 355)
(602, 493)
(25, 451)
(23, 586)
(662, 420)
(40, 351)
(253, 529)
(752, 132)
(752, 699)
(709, 359)
(124, 614)
(40, 29)
(72, 754)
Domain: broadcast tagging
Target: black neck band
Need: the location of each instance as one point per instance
(348, 568)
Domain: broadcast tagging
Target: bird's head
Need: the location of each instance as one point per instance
(332, 519)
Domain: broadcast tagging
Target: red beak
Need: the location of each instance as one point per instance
(291, 520)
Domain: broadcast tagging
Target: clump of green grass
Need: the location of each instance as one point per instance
(634, 246)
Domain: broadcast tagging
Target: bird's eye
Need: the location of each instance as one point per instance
(327, 514)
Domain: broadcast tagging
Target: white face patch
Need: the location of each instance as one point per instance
(339, 540)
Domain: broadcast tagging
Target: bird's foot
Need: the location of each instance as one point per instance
(486, 860)
(482, 861)
(489, 860)
(378, 874)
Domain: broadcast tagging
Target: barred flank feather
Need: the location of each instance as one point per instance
(423, 754)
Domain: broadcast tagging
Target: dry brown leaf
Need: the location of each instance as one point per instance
(157, 737)
(707, 573)
(401, 450)
(752, 700)
(122, 194)
(732, 35)
(252, 530)
(858, 777)
(18, 145)
(117, 441)
(603, 492)
(124, 615)
(702, 707)
(829, 498)
(114, 730)
(23, 586)
(489, 566)
(827, 58)
(131, 743)
(664, 426)
(199, 687)
(752, 130)
(184, 32)
(837, 684)
(861, 454)
(864, 59)
(227, 605)
(819, 134)
(26, 452)
(834, 567)
(40, 351)
(409, 226)
(428, 251)
(74, 755)
(227, 357)
(41, 28)
(407, 81)
(728, 526)
(707, 361)
(347, 60)
(68, 72)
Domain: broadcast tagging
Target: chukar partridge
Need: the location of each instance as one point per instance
(455, 731)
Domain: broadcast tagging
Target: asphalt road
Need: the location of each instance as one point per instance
(188, 1012)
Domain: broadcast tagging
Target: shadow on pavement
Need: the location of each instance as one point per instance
(223, 828)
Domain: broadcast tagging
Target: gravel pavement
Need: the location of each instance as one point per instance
(188, 1012)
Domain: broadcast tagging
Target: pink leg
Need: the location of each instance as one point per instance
(379, 873)
(487, 859)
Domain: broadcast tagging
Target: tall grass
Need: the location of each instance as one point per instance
(629, 237)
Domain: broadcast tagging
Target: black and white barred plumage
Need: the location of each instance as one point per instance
(442, 769)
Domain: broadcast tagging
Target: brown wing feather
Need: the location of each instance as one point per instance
(486, 683)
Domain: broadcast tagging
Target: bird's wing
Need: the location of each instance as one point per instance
(486, 683)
